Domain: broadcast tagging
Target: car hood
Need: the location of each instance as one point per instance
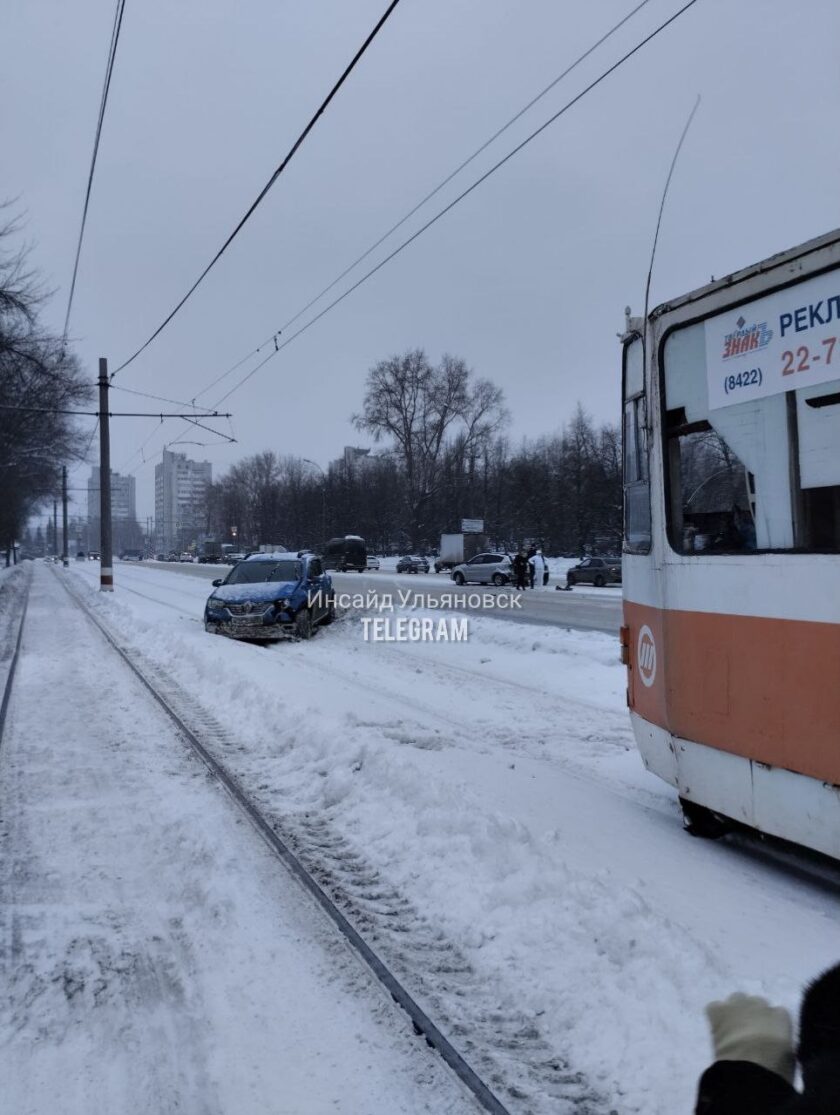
(263, 592)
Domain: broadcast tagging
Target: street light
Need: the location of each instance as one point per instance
(315, 464)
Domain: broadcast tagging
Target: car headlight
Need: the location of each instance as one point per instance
(216, 602)
(282, 603)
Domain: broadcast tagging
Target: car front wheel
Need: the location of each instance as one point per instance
(570, 579)
(599, 581)
(303, 624)
(499, 579)
(458, 578)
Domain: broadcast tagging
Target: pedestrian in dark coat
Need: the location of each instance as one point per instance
(519, 568)
(754, 1067)
(532, 550)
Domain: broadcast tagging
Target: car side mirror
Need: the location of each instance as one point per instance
(217, 582)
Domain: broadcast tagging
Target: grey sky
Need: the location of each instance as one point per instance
(527, 279)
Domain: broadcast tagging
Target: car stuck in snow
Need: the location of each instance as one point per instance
(271, 596)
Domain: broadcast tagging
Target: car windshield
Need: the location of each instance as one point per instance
(254, 572)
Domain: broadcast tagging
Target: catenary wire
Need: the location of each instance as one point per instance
(288, 158)
(109, 69)
(159, 398)
(432, 193)
(441, 213)
(279, 346)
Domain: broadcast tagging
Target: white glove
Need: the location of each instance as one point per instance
(748, 1028)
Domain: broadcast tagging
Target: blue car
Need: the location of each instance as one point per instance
(271, 596)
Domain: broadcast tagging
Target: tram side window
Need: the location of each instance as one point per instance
(818, 439)
(637, 528)
(712, 493)
(759, 475)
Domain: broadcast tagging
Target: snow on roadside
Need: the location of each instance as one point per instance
(494, 783)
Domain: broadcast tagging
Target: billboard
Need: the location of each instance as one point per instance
(782, 342)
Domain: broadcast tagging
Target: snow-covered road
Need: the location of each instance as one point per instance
(154, 957)
(494, 787)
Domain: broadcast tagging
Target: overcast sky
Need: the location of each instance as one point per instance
(526, 279)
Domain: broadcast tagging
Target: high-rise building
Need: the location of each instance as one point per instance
(181, 490)
(352, 461)
(124, 529)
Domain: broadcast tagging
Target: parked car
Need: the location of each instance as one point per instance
(484, 569)
(160, 557)
(271, 596)
(81, 556)
(185, 557)
(372, 562)
(232, 559)
(411, 563)
(598, 571)
(131, 555)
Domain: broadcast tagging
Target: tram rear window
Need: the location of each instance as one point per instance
(753, 476)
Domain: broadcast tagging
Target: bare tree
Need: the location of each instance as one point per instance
(421, 408)
(39, 382)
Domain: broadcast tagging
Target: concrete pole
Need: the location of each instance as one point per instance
(106, 563)
(64, 560)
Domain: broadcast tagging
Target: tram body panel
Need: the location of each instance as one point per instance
(734, 658)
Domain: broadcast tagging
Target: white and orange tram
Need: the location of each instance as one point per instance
(732, 546)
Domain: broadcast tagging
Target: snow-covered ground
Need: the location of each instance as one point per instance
(494, 786)
(154, 958)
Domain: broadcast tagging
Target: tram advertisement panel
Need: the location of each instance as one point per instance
(788, 340)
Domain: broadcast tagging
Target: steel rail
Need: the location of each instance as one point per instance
(7, 689)
(423, 1025)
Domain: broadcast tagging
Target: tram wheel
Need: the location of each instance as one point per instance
(700, 821)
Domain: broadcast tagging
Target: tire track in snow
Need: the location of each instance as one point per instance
(504, 1042)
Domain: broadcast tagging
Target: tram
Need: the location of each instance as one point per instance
(731, 570)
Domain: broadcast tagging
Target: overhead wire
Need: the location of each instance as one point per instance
(109, 70)
(279, 346)
(288, 158)
(432, 193)
(159, 398)
(465, 193)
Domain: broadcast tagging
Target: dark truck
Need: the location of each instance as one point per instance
(346, 553)
(209, 552)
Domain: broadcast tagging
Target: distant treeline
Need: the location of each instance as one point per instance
(445, 457)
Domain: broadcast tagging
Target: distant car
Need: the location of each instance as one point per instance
(160, 557)
(185, 557)
(93, 555)
(232, 559)
(271, 596)
(172, 556)
(411, 563)
(131, 555)
(81, 556)
(484, 569)
(372, 562)
(597, 571)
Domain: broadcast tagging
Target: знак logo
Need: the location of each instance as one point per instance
(746, 338)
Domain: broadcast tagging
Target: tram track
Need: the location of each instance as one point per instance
(13, 655)
(509, 1061)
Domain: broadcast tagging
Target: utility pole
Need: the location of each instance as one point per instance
(55, 527)
(106, 563)
(323, 499)
(64, 560)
